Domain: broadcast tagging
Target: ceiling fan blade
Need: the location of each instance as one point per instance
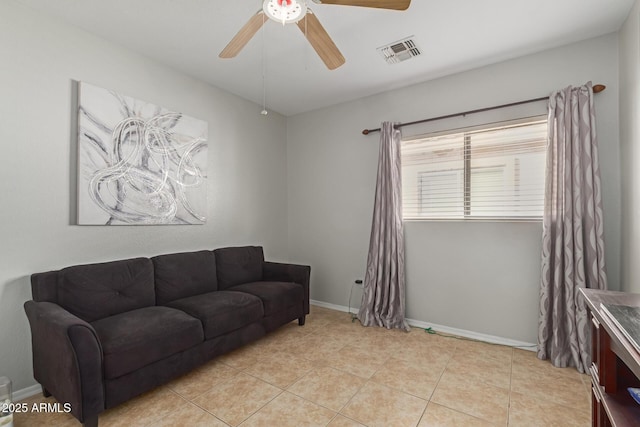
(320, 41)
(243, 36)
(380, 4)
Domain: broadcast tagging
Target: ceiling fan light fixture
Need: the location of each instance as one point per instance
(285, 11)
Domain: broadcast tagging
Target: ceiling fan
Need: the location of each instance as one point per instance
(297, 12)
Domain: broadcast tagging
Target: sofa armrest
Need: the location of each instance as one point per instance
(275, 271)
(67, 358)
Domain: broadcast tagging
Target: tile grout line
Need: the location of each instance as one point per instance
(198, 406)
(555, 402)
(339, 412)
(283, 390)
(263, 406)
(207, 411)
(227, 380)
(436, 386)
(222, 380)
(453, 358)
(154, 419)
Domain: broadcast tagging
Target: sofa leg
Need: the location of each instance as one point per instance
(45, 392)
(301, 320)
(91, 421)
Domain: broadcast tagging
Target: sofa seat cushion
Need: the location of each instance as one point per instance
(221, 311)
(139, 337)
(275, 296)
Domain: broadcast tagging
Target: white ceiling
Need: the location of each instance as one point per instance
(454, 35)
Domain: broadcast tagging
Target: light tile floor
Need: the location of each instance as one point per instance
(334, 372)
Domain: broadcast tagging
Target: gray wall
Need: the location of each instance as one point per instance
(630, 150)
(476, 276)
(41, 59)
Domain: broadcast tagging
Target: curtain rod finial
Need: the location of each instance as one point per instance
(598, 88)
(365, 132)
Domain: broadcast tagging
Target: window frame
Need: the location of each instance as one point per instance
(467, 171)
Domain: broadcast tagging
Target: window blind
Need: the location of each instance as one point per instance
(491, 172)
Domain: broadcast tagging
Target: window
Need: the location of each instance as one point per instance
(493, 172)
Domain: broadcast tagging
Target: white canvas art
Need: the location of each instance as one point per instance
(138, 163)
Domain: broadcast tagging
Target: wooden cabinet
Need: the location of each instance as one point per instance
(615, 362)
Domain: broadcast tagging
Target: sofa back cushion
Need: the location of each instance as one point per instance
(96, 291)
(238, 265)
(184, 275)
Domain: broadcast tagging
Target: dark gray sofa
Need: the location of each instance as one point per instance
(104, 333)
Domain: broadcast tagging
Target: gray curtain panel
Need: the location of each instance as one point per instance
(383, 301)
(572, 237)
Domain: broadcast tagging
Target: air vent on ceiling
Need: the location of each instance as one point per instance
(400, 51)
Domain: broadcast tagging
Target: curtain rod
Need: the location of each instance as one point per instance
(596, 89)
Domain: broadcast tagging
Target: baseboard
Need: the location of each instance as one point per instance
(18, 395)
(333, 306)
(445, 329)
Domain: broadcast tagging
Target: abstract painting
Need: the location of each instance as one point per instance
(138, 163)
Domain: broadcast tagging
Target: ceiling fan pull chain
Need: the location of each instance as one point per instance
(264, 111)
(306, 50)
